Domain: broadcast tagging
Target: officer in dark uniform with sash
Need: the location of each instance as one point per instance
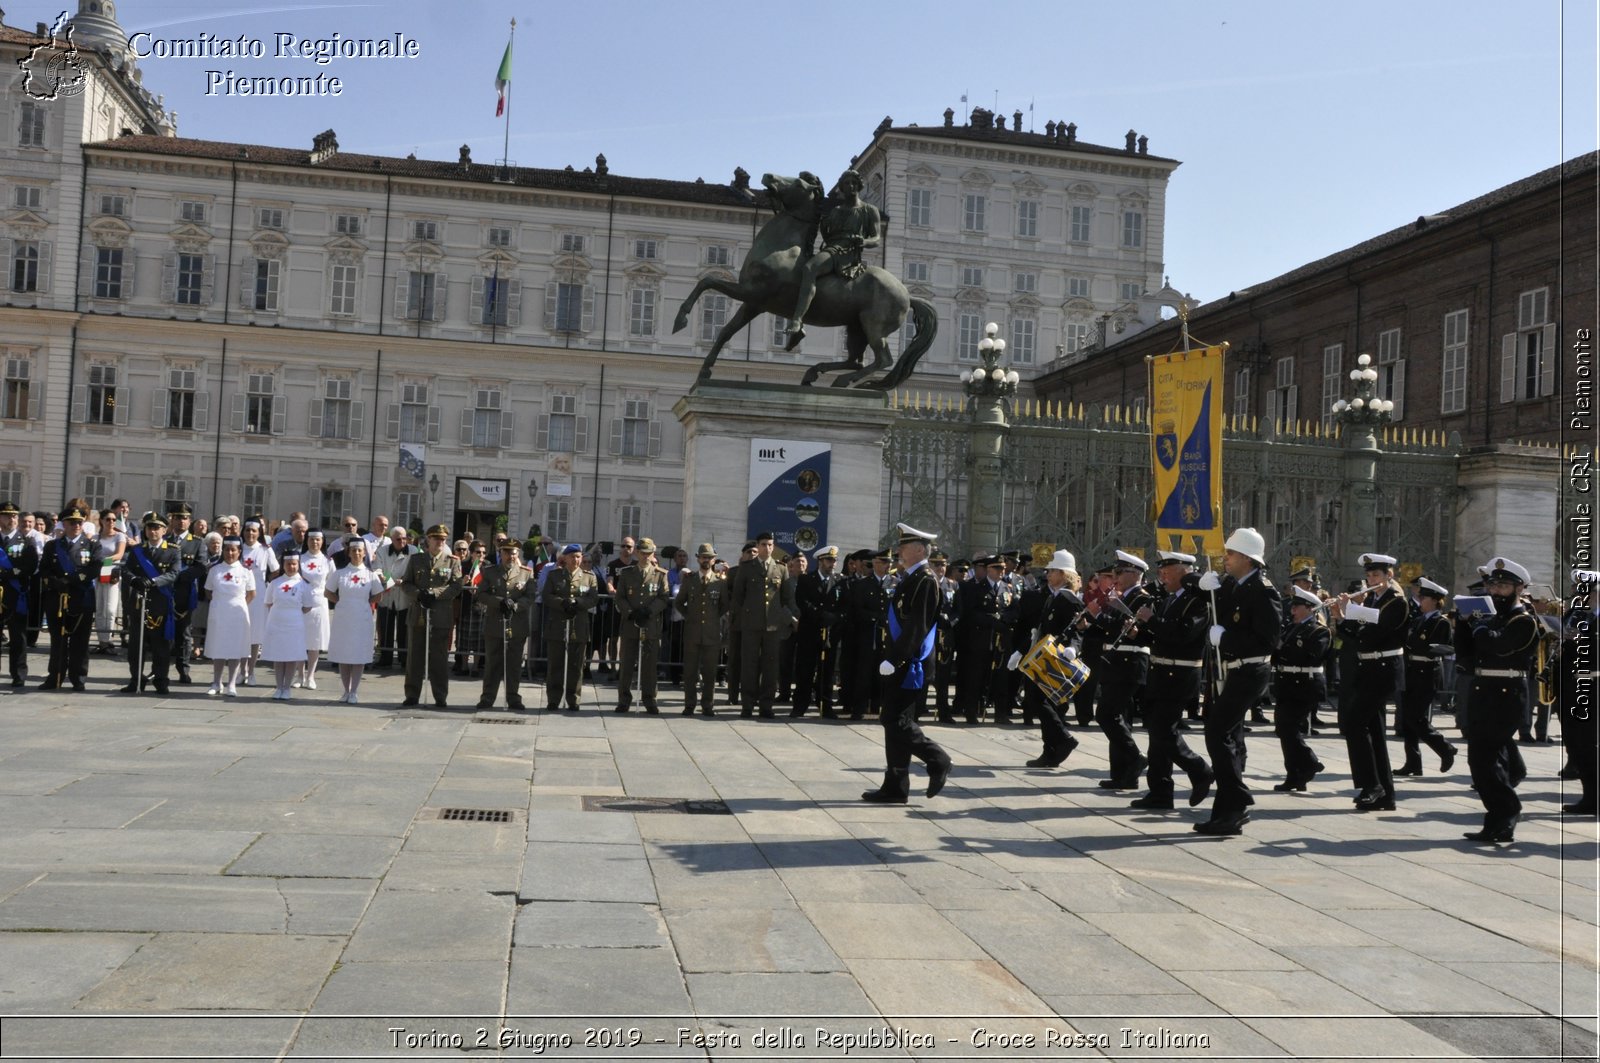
(1061, 610)
(186, 592)
(1378, 624)
(1177, 626)
(1299, 686)
(1429, 641)
(813, 656)
(150, 571)
(19, 564)
(1504, 643)
(1249, 628)
(912, 620)
(67, 573)
(1124, 665)
(1577, 668)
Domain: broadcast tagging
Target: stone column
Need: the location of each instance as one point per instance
(987, 442)
(1508, 506)
(1358, 524)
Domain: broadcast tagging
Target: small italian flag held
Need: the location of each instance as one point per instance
(502, 82)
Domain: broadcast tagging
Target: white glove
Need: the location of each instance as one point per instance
(1210, 581)
(1014, 660)
(1071, 653)
(885, 668)
(1216, 634)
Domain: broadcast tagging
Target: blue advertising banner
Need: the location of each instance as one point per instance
(789, 481)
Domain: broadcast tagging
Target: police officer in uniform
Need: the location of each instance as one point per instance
(986, 608)
(1299, 687)
(1577, 671)
(570, 598)
(19, 564)
(944, 649)
(1124, 665)
(1061, 610)
(1504, 643)
(67, 573)
(150, 570)
(1249, 629)
(505, 595)
(435, 577)
(813, 656)
(1429, 641)
(1378, 624)
(761, 602)
(1177, 626)
(866, 602)
(912, 618)
(702, 599)
(643, 595)
(185, 593)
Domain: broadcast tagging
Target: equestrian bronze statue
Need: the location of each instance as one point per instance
(827, 287)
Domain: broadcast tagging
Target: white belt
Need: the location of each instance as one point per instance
(1501, 673)
(1169, 662)
(1379, 655)
(1429, 657)
(1296, 669)
(1130, 649)
(1246, 660)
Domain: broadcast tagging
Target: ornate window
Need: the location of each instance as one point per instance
(1527, 356)
(17, 399)
(642, 312)
(108, 273)
(1081, 227)
(919, 207)
(1453, 363)
(974, 205)
(1024, 341)
(1028, 217)
(342, 286)
(30, 125)
(1332, 379)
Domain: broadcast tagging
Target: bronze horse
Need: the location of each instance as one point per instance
(871, 307)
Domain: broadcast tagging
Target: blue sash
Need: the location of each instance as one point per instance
(915, 680)
(147, 567)
(9, 573)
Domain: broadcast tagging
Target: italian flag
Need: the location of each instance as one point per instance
(502, 82)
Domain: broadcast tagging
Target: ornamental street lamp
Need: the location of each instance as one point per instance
(989, 387)
(433, 488)
(1361, 417)
(990, 381)
(1366, 410)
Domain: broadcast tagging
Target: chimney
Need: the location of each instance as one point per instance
(741, 178)
(1050, 130)
(600, 166)
(1072, 132)
(1016, 121)
(324, 146)
(949, 117)
(1144, 145)
(466, 156)
(1132, 136)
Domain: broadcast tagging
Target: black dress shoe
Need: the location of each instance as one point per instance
(1567, 772)
(937, 775)
(1223, 827)
(1152, 802)
(409, 702)
(439, 703)
(1585, 807)
(621, 708)
(688, 710)
(485, 703)
(1492, 835)
(1409, 769)
(517, 706)
(571, 707)
(1201, 790)
(18, 681)
(49, 684)
(884, 797)
(1290, 786)
(1046, 760)
(1375, 801)
(77, 684)
(652, 709)
(708, 711)
(1447, 760)
(767, 714)
(1119, 784)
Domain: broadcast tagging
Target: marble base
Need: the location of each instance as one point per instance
(1509, 498)
(719, 420)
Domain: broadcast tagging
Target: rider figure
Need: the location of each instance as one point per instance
(848, 227)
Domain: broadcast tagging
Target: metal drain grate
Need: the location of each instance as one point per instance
(682, 805)
(475, 815)
(498, 719)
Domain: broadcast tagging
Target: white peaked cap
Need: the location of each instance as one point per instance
(1174, 555)
(1133, 559)
(1431, 587)
(908, 534)
(1368, 560)
(1307, 597)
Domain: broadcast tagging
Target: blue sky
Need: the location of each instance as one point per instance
(1302, 128)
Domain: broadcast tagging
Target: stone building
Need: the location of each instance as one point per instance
(253, 328)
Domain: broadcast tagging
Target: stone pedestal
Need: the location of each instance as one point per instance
(1509, 498)
(719, 421)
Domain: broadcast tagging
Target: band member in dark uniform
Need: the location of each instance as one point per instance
(1091, 645)
(1430, 639)
(19, 565)
(813, 656)
(1249, 627)
(1299, 687)
(150, 571)
(1378, 624)
(1061, 612)
(1124, 665)
(1504, 643)
(912, 620)
(1577, 669)
(1177, 626)
(67, 572)
(986, 609)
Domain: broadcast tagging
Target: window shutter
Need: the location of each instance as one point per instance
(128, 259)
(44, 266)
(513, 303)
(208, 280)
(202, 410)
(247, 284)
(1274, 415)
(1399, 390)
(80, 404)
(314, 420)
(402, 292)
(441, 289)
(541, 433)
(465, 437)
(616, 435)
(35, 400)
(391, 429)
(1547, 359)
(236, 415)
(475, 307)
(316, 507)
(588, 308)
(119, 415)
(580, 435)
(507, 425)
(1508, 367)
(655, 439)
(169, 277)
(551, 297)
(358, 417)
(1292, 413)
(433, 424)
(280, 414)
(158, 412)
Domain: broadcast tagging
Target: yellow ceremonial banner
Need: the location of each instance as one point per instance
(1186, 449)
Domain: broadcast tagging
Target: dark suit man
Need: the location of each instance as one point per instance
(986, 609)
(67, 573)
(435, 578)
(1123, 669)
(1177, 627)
(907, 658)
(506, 597)
(150, 572)
(761, 603)
(1576, 666)
(813, 656)
(570, 598)
(19, 565)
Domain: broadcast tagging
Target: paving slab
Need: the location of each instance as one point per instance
(255, 972)
(588, 924)
(748, 940)
(70, 901)
(889, 931)
(400, 926)
(573, 871)
(52, 972)
(1400, 981)
(316, 855)
(149, 851)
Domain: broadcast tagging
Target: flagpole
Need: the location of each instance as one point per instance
(505, 149)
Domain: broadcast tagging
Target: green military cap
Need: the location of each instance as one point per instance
(705, 550)
(647, 546)
(439, 531)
